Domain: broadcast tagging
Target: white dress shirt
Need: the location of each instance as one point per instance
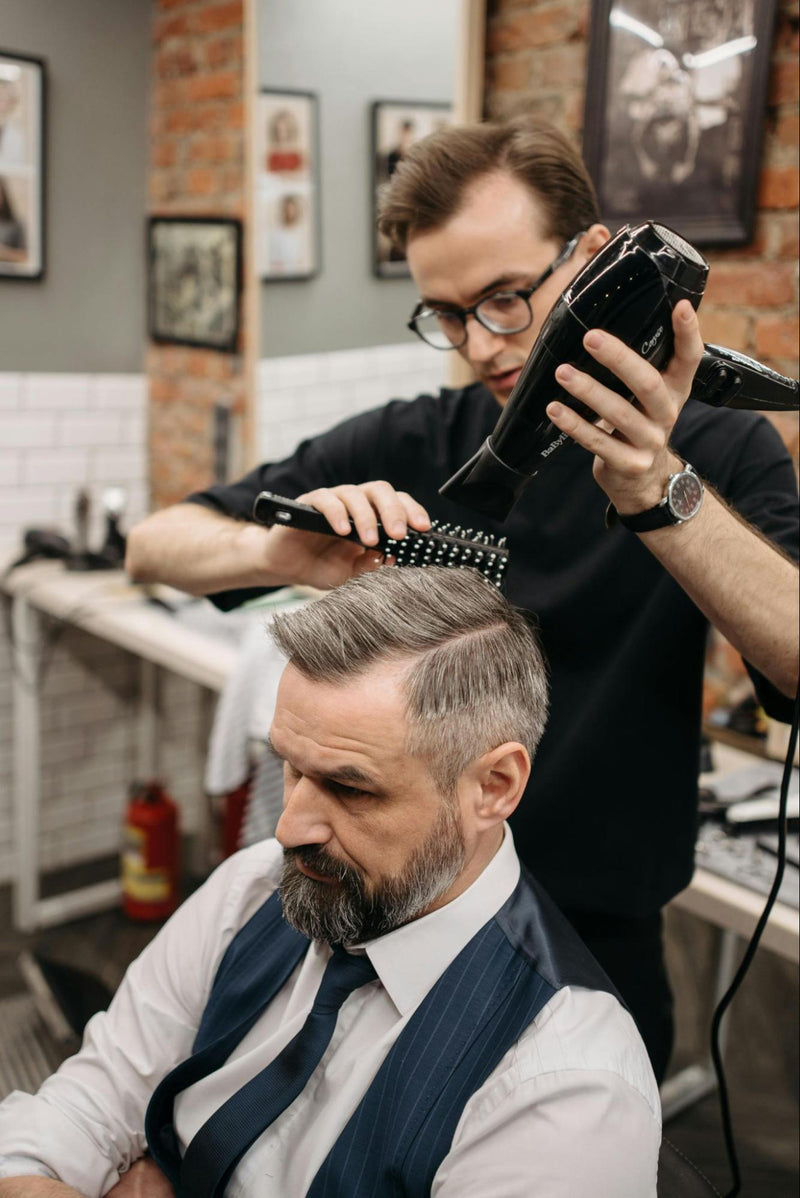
(571, 1109)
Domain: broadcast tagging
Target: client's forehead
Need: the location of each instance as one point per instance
(363, 715)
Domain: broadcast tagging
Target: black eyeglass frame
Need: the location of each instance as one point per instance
(523, 293)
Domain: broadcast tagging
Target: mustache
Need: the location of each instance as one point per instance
(321, 862)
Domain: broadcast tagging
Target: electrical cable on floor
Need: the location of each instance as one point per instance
(747, 959)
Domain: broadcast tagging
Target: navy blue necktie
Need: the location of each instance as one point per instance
(224, 1138)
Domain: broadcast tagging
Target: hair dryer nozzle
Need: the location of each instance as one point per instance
(486, 484)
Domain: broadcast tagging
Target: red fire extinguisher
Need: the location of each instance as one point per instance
(150, 853)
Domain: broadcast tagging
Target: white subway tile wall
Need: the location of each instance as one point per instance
(301, 396)
(58, 433)
(61, 432)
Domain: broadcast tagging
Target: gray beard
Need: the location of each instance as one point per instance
(346, 911)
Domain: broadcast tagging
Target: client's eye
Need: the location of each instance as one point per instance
(347, 792)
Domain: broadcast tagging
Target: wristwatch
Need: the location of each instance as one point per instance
(683, 499)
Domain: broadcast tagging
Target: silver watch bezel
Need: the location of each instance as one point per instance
(674, 479)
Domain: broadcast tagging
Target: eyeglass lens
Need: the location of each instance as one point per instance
(501, 313)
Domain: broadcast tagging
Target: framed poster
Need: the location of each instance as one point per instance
(396, 125)
(194, 280)
(287, 185)
(674, 113)
(22, 133)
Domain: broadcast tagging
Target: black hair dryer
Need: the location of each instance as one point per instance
(628, 288)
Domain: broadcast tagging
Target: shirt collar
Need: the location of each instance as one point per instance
(410, 959)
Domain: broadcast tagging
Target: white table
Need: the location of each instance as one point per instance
(105, 604)
(736, 909)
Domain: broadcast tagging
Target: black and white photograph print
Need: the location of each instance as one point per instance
(22, 132)
(674, 112)
(395, 126)
(194, 282)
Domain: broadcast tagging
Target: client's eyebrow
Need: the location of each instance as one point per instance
(348, 775)
(352, 775)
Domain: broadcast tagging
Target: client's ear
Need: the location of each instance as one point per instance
(500, 777)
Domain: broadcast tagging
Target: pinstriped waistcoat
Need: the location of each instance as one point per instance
(404, 1125)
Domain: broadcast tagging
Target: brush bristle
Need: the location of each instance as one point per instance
(445, 545)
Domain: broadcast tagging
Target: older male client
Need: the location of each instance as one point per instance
(447, 1032)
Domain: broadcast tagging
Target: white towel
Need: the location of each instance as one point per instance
(244, 710)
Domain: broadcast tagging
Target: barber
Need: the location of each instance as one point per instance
(495, 220)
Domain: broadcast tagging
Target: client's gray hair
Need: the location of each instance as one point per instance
(476, 678)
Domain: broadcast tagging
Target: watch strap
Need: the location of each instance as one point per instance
(659, 516)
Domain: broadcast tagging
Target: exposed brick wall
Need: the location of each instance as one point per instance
(536, 53)
(196, 168)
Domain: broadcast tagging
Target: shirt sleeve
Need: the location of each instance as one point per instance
(763, 490)
(763, 487)
(573, 1109)
(85, 1126)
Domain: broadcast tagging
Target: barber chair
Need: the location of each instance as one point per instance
(678, 1177)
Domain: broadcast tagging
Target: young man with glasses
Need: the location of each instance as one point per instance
(496, 220)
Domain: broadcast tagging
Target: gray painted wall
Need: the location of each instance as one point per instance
(88, 312)
(350, 52)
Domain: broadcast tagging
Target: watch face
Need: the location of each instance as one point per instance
(685, 495)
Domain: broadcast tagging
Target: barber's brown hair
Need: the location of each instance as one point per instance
(428, 187)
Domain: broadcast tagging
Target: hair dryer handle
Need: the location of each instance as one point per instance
(727, 379)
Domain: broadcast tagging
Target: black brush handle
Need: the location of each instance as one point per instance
(272, 509)
(442, 545)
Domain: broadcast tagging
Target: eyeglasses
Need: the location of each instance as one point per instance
(504, 312)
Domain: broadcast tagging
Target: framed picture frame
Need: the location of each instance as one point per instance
(395, 125)
(23, 94)
(674, 113)
(287, 185)
(194, 281)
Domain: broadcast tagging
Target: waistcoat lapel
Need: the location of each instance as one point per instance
(256, 964)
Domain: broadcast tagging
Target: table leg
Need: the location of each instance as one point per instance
(694, 1082)
(27, 758)
(146, 722)
(30, 911)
